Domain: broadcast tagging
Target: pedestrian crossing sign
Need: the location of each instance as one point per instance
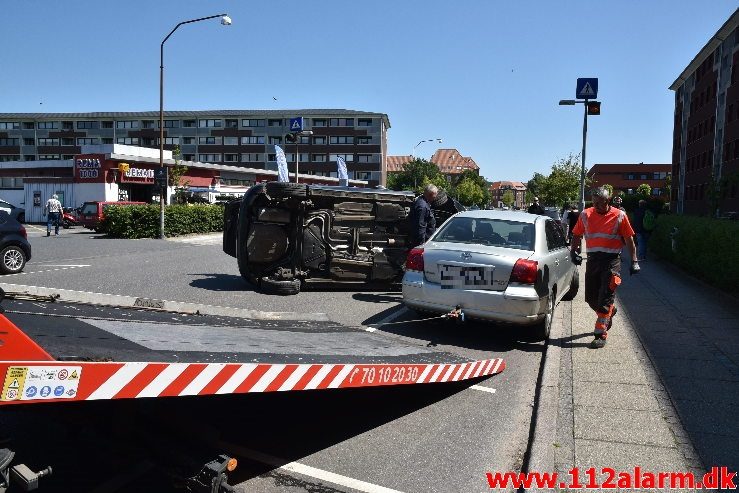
(296, 124)
(587, 88)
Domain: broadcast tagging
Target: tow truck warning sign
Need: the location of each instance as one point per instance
(26, 383)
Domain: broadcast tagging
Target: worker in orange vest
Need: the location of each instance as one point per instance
(606, 229)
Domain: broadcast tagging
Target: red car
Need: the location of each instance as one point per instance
(92, 213)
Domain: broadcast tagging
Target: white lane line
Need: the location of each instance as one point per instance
(308, 471)
(482, 388)
(47, 270)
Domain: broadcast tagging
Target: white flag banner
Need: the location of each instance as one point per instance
(341, 168)
(281, 165)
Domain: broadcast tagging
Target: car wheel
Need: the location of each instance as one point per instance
(440, 200)
(280, 190)
(574, 286)
(284, 288)
(544, 326)
(22, 217)
(12, 259)
(66, 225)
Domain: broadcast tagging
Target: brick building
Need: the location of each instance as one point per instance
(499, 188)
(705, 150)
(627, 177)
(449, 161)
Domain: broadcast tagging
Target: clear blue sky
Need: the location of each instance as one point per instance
(483, 75)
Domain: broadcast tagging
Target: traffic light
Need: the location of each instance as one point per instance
(291, 138)
(593, 107)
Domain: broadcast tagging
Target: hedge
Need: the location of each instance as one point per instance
(142, 221)
(707, 248)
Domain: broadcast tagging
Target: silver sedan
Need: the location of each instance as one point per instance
(503, 266)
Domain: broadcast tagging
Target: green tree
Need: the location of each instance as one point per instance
(479, 181)
(469, 192)
(644, 190)
(508, 198)
(416, 175)
(535, 187)
(563, 183)
(176, 173)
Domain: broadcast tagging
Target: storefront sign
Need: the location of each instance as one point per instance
(88, 168)
(138, 175)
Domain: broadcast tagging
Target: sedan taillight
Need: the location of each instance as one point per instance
(414, 261)
(23, 232)
(524, 271)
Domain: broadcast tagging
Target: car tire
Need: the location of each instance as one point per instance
(282, 287)
(544, 327)
(12, 259)
(22, 217)
(574, 286)
(440, 200)
(280, 190)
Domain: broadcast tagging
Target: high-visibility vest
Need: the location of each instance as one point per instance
(607, 239)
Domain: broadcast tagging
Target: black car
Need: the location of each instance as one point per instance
(15, 250)
(283, 234)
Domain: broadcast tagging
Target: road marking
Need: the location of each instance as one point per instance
(482, 388)
(48, 270)
(305, 470)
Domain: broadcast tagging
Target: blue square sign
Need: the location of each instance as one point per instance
(587, 88)
(296, 124)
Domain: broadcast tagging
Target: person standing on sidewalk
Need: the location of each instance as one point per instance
(642, 234)
(423, 222)
(54, 211)
(605, 229)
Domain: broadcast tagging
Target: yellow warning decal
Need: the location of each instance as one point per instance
(15, 380)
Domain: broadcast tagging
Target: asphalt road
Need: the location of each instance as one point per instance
(436, 438)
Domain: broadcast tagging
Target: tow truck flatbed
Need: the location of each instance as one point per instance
(54, 352)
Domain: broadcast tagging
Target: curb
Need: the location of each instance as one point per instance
(544, 436)
(122, 301)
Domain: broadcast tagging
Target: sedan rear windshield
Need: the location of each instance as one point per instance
(88, 209)
(484, 231)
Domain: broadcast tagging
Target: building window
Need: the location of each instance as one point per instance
(107, 124)
(188, 140)
(29, 157)
(10, 126)
(364, 122)
(318, 158)
(364, 158)
(28, 125)
(274, 122)
(275, 140)
(11, 182)
(341, 122)
(290, 158)
(251, 157)
(188, 157)
(149, 142)
(48, 157)
(304, 139)
(87, 141)
(147, 124)
(170, 124)
(129, 141)
(68, 156)
(67, 141)
(209, 158)
(271, 157)
(232, 123)
(231, 158)
(172, 141)
(364, 140)
(47, 125)
(362, 175)
(28, 141)
(106, 140)
(11, 157)
(9, 142)
(321, 140)
(347, 157)
(209, 140)
(319, 122)
(67, 125)
(86, 125)
(188, 123)
(341, 139)
(127, 124)
(210, 123)
(253, 123)
(254, 139)
(230, 141)
(48, 142)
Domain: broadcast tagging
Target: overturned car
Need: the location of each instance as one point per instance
(287, 234)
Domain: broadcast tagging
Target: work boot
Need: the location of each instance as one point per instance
(48, 233)
(610, 320)
(598, 343)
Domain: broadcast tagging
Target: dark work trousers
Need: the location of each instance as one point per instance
(602, 277)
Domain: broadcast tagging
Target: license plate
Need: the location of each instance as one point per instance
(456, 276)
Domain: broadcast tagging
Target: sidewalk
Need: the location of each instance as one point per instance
(663, 393)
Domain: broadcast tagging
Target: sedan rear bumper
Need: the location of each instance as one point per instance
(519, 305)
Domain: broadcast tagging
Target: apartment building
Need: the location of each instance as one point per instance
(626, 177)
(231, 137)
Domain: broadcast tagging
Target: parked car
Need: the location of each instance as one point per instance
(283, 234)
(15, 250)
(70, 217)
(92, 213)
(17, 213)
(502, 266)
(553, 212)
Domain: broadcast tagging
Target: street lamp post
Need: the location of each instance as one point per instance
(572, 102)
(226, 21)
(413, 153)
(297, 153)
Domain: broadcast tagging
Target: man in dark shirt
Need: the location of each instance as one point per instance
(423, 222)
(536, 208)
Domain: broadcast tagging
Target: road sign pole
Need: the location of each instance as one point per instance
(582, 160)
(297, 157)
